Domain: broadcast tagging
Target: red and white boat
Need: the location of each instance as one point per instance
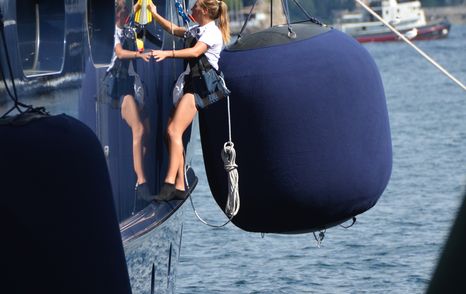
(407, 17)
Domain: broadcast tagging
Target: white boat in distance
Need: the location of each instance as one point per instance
(406, 16)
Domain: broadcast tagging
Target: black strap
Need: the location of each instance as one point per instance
(347, 227)
(311, 18)
(204, 63)
(197, 65)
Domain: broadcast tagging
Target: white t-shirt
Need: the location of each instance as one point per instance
(210, 35)
(117, 40)
(138, 89)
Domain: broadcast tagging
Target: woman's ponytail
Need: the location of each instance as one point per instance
(219, 10)
(224, 22)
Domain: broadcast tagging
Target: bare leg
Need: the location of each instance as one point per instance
(182, 118)
(130, 113)
(179, 182)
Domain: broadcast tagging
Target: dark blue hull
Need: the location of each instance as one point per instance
(59, 52)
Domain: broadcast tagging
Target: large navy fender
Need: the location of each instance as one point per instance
(60, 230)
(310, 127)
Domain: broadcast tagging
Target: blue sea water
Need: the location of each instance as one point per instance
(394, 247)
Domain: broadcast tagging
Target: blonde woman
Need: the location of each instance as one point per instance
(130, 107)
(209, 41)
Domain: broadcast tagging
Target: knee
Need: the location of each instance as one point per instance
(138, 132)
(173, 133)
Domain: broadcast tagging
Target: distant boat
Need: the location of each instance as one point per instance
(406, 16)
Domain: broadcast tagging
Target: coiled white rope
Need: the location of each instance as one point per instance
(423, 54)
(229, 157)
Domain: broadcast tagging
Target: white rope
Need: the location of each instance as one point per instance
(444, 71)
(229, 161)
(228, 155)
(204, 221)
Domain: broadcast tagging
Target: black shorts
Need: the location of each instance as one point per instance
(125, 87)
(197, 87)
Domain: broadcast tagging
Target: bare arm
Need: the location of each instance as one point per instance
(166, 24)
(127, 54)
(193, 52)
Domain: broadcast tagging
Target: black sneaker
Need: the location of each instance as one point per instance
(167, 192)
(180, 195)
(143, 192)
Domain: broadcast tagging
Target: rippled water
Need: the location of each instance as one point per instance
(393, 248)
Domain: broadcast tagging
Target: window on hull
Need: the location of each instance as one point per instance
(41, 36)
(101, 29)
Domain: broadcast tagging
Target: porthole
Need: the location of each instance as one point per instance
(101, 29)
(41, 36)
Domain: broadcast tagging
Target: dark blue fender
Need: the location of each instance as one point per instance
(310, 127)
(61, 233)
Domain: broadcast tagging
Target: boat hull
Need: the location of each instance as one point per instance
(57, 53)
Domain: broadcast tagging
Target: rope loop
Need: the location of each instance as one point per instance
(229, 156)
(229, 160)
(319, 238)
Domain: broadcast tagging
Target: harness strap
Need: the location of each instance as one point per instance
(197, 65)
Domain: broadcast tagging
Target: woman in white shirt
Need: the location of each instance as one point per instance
(130, 108)
(210, 40)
